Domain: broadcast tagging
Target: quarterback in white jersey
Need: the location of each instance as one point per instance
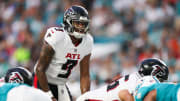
(64, 48)
(111, 92)
(67, 55)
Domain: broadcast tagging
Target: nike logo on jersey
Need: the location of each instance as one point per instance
(73, 56)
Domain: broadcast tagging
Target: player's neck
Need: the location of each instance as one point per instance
(75, 41)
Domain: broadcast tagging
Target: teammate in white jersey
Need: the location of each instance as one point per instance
(124, 95)
(111, 92)
(63, 49)
(16, 86)
(21, 92)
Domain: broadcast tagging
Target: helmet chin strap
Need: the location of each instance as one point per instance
(77, 35)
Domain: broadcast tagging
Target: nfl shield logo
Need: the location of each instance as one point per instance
(75, 50)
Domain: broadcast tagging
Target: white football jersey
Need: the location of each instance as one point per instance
(23, 93)
(67, 55)
(145, 81)
(110, 92)
(131, 83)
(128, 82)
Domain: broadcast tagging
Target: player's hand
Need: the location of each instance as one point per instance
(53, 99)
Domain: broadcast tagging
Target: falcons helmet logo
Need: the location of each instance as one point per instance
(15, 77)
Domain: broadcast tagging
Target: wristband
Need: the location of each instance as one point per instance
(49, 93)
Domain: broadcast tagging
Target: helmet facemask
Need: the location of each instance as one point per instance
(79, 28)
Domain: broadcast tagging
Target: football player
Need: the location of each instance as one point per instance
(124, 95)
(127, 84)
(21, 92)
(63, 49)
(159, 92)
(16, 86)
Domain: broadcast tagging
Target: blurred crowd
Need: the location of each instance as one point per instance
(139, 28)
(143, 29)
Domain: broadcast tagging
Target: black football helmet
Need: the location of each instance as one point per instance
(76, 21)
(18, 75)
(154, 67)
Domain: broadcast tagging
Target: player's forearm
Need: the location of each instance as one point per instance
(84, 74)
(85, 84)
(45, 58)
(42, 79)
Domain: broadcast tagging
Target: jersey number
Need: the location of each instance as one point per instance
(113, 85)
(68, 66)
(116, 83)
(56, 29)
